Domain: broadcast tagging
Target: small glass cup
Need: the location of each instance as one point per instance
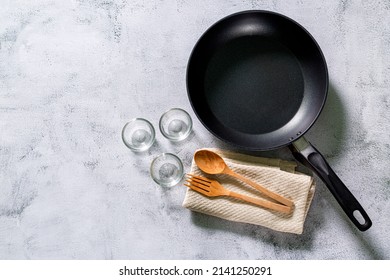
(175, 124)
(138, 134)
(167, 170)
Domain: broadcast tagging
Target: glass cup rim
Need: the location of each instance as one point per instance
(167, 154)
(167, 135)
(153, 132)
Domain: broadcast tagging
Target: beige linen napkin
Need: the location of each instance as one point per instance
(274, 174)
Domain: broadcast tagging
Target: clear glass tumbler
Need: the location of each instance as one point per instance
(138, 134)
(167, 170)
(175, 124)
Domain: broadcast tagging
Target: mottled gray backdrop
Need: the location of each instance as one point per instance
(72, 73)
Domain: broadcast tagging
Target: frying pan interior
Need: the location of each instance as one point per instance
(257, 82)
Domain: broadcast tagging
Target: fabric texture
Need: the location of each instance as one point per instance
(276, 175)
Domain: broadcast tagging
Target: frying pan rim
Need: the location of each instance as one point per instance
(303, 131)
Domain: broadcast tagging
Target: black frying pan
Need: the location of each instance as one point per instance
(258, 80)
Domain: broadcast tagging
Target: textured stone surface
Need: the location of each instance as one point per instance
(72, 73)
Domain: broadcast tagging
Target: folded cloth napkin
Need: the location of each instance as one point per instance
(274, 174)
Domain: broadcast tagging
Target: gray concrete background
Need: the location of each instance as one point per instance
(72, 73)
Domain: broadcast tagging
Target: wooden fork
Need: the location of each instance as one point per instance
(211, 188)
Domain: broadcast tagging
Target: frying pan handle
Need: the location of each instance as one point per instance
(305, 153)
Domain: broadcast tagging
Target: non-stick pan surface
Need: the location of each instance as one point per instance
(258, 80)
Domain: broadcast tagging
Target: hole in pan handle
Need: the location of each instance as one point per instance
(305, 153)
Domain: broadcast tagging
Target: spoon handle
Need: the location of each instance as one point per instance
(260, 188)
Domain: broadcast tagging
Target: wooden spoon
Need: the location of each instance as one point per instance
(212, 163)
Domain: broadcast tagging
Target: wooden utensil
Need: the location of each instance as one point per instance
(211, 188)
(212, 163)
